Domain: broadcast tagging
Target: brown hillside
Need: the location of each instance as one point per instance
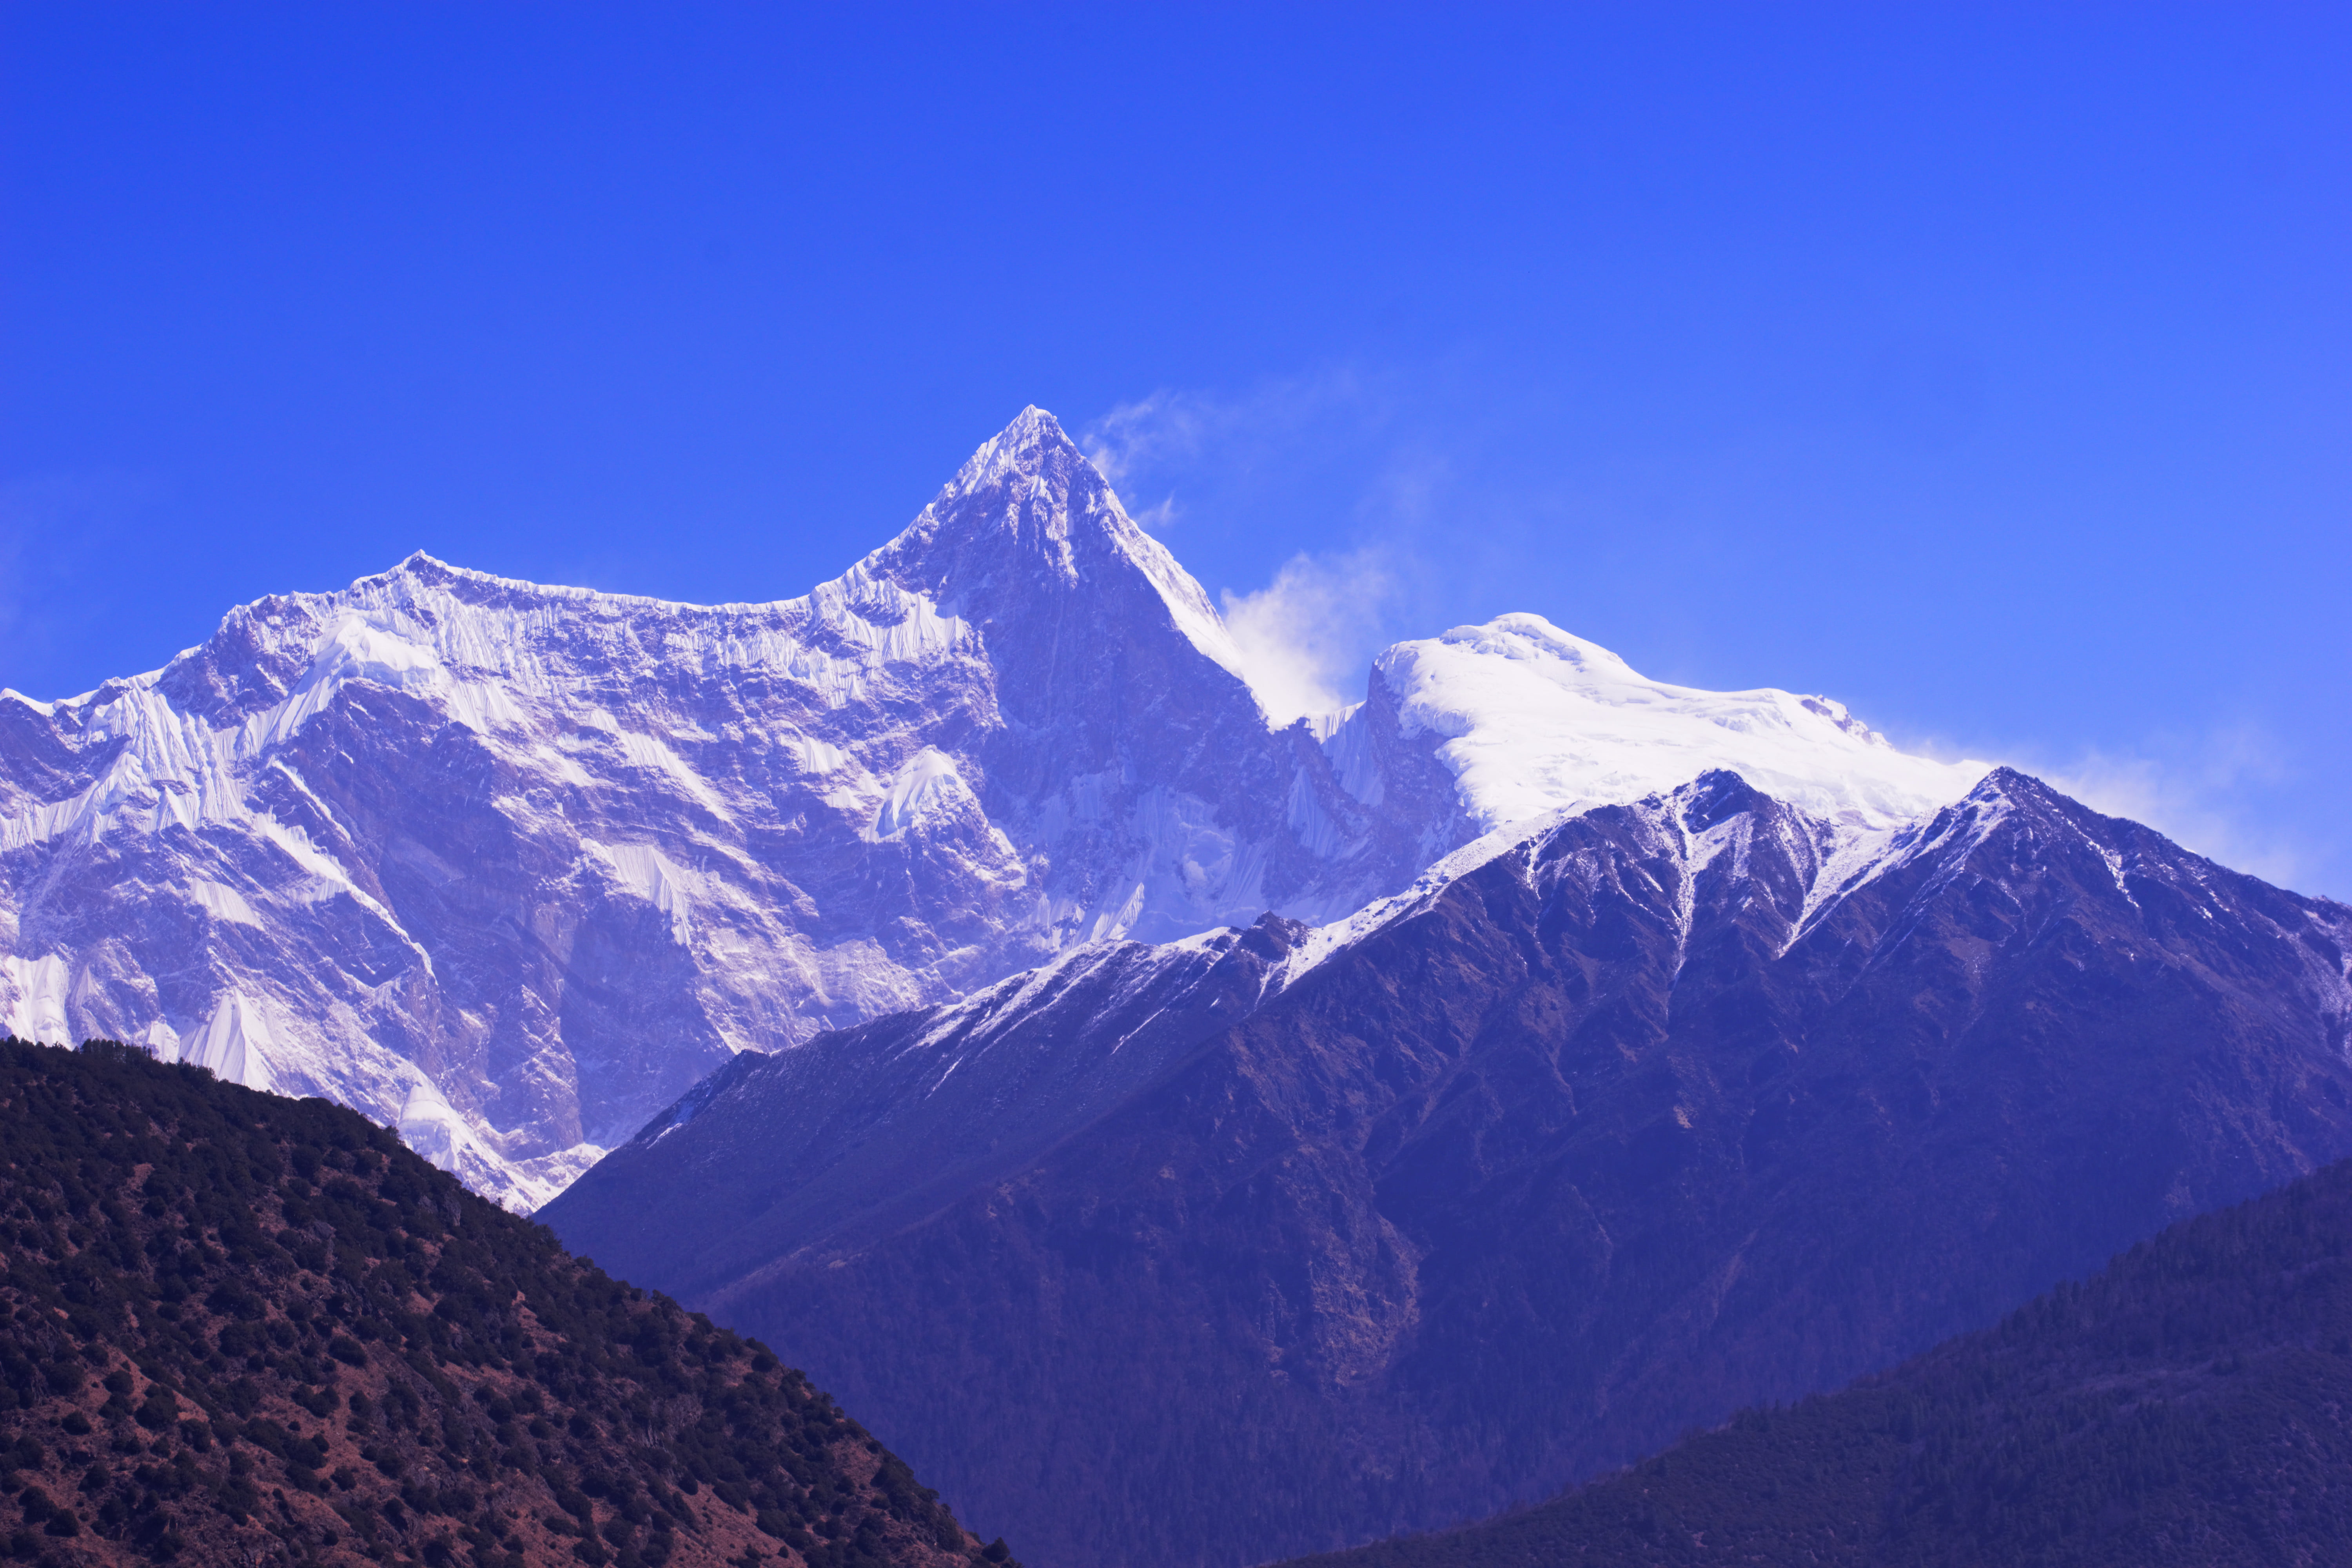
(248, 1330)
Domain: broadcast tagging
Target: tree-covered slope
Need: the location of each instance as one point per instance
(245, 1329)
(2191, 1404)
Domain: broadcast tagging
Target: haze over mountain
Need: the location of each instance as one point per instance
(513, 866)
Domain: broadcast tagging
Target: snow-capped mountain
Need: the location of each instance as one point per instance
(1532, 720)
(514, 865)
(1598, 1130)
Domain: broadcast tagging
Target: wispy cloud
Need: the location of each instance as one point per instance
(1416, 511)
(2215, 794)
(1308, 635)
(1143, 445)
(1148, 432)
(1160, 516)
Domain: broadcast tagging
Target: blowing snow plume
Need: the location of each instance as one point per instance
(1306, 636)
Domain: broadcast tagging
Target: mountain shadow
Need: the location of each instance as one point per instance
(2191, 1404)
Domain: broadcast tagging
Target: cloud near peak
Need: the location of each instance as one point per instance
(1307, 636)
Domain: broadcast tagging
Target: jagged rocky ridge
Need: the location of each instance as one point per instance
(512, 867)
(2190, 1405)
(244, 1329)
(1282, 1240)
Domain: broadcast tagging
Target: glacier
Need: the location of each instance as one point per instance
(511, 867)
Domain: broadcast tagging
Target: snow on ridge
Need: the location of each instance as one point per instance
(773, 810)
(1323, 940)
(1005, 454)
(767, 811)
(490, 665)
(1034, 459)
(1187, 602)
(929, 781)
(1849, 854)
(1531, 719)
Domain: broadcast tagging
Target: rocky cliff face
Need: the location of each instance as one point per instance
(517, 866)
(513, 866)
(1593, 1134)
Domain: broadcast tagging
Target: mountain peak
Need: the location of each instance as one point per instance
(1529, 718)
(1034, 444)
(422, 569)
(1030, 505)
(1028, 482)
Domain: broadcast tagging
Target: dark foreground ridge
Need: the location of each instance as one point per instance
(2191, 1404)
(1593, 1145)
(250, 1329)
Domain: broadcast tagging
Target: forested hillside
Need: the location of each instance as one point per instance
(244, 1329)
(2191, 1404)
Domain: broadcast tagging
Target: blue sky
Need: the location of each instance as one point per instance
(1988, 368)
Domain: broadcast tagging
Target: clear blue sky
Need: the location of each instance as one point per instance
(1986, 367)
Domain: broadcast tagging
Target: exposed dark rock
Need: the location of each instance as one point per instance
(2190, 1405)
(1654, 1117)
